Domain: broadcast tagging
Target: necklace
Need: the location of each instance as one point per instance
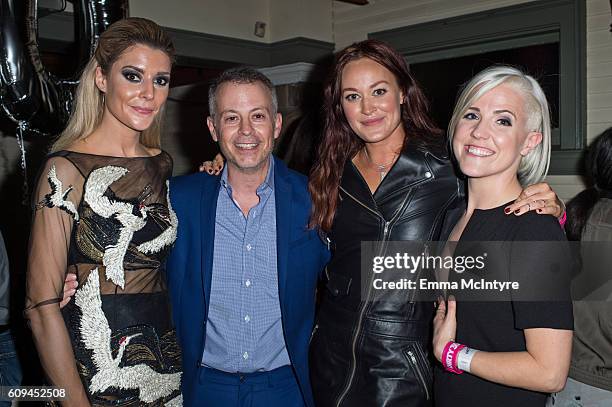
(379, 167)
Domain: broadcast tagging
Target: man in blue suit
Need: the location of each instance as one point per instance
(243, 272)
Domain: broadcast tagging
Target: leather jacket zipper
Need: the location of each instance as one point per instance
(359, 322)
(312, 334)
(363, 309)
(362, 204)
(418, 274)
(417, 369)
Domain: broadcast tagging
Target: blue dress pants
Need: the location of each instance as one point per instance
(276, 388)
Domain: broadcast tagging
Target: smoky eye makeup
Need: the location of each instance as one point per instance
(162, 80)
(131, 75)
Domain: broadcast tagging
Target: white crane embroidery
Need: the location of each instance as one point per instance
(167, 237)
(98, 182)
(58, 197)
(96, 335)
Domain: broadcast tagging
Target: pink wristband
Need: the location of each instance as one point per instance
(445, 356)
(449, 357)
(563, 219)
(455, 356)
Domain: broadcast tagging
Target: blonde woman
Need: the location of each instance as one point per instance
(511, 352)
(102, 213)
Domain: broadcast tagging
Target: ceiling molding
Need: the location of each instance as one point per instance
(56, 33)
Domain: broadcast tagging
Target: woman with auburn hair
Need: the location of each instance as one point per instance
(520, 342)
(383, 175)
(102, 213)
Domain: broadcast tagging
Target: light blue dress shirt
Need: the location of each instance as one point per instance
(244, 329)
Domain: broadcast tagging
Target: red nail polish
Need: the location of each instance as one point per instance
(517, 211)
(507, 211)
(539, 210)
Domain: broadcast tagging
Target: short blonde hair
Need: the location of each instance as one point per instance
(89, 101)
(534, 165)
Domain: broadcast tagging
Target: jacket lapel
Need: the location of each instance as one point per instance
(208, 212)
(282, 191)
(411, 168)
(353, 181)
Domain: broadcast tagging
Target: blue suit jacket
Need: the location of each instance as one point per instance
(301, 258)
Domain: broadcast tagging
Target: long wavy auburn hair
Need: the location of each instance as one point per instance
(339, 141)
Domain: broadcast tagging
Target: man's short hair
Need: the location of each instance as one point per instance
(240, 75)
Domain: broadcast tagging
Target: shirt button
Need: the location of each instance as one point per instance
(247, 318)
(428, 174)
(248, 247)
(247, 283)
(245, 355)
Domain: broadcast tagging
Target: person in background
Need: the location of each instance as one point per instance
(589, 219)
(519, 344)
(10, 369)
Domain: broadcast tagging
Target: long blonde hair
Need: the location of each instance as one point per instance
(89, 100)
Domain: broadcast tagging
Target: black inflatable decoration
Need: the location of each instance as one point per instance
(30, 95)
(36, 100)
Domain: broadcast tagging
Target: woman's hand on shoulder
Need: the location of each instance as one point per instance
(213, 167)
(537, 197)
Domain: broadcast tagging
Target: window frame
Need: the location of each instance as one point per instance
(532, 23)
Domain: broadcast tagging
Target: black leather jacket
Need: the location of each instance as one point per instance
(366, 353)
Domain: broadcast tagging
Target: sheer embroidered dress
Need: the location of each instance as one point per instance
(109, 221)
